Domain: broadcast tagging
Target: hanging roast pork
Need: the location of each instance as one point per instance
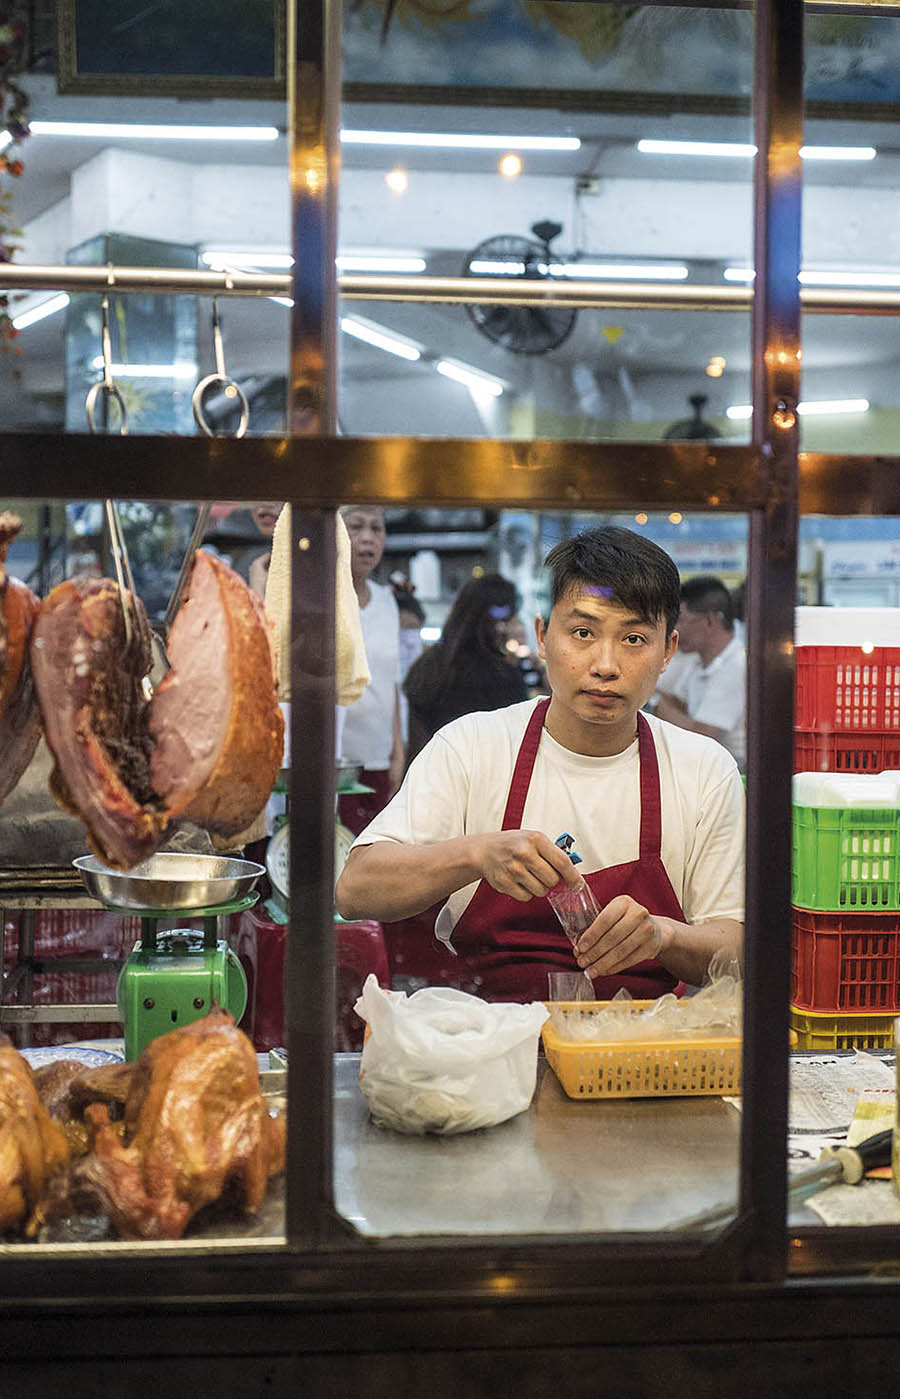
(20, 721)
(206, 747)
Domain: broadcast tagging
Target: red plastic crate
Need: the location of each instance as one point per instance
(845, 961)
(865, 752)
(842, 689)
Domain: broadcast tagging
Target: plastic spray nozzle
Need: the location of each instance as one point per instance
(566, 843)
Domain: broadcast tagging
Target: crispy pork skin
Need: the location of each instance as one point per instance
(94, 712)
(217, 730)
(196, 1126)
(20, 720)
(33, 1148)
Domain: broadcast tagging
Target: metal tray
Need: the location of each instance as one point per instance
(170, 880)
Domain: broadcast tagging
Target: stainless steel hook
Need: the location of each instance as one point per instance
(106, 388)
(229, 387)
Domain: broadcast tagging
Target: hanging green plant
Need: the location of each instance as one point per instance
(14, 126)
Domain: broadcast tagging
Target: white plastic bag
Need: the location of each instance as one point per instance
(444, 1061)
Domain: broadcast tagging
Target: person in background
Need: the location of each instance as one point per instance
(519, 653)
(711, 697)
(657, 813)
(372, 733)
(468, 668)
(412, 619)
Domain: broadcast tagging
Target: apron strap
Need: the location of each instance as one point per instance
(651, 803)
(521, 778)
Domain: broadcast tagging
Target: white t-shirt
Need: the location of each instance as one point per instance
(716, 694)
(368, 735)
(458, 785)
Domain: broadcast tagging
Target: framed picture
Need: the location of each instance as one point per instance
(656, 58)
(175, 48)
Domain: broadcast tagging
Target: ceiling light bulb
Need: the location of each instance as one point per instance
(511, 165)
(397, 180)
(675, 517)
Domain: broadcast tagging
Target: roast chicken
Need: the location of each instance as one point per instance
(33, 1148)
(20, 720)
(196, 1127)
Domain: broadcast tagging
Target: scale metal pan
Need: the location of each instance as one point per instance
(170, 880)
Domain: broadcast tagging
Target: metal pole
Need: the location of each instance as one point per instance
(454, 291)
(772, 574)
(314, 94)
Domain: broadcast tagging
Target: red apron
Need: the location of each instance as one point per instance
(506, 948)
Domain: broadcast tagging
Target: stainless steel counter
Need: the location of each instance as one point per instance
(561, 1167)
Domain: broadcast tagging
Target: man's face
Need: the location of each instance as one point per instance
(365, 527)
(603, 663)
(691, 628)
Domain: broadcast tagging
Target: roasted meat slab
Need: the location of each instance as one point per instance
(217, 731)
(20, 720)
(95, 721)
(196, 1127)
(33, 1148)
(207, 747)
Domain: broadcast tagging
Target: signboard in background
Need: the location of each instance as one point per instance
(869, 558)
(723, 557)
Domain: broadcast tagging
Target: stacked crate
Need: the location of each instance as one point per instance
(845, 982)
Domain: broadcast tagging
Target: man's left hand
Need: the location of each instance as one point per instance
(621, 935)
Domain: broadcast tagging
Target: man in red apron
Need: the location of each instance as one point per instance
(467, 846)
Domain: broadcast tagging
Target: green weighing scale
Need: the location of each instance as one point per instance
(174, 976)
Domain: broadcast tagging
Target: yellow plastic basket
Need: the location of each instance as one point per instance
(850, 1031)
(641, 1068)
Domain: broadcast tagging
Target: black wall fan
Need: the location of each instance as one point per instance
(524, 330)
(692, 429)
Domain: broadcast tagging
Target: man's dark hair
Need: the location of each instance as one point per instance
(709, 594)
(635, 572)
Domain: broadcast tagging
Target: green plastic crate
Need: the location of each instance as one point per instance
(846, 858)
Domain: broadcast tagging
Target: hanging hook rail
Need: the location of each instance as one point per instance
(514, 291)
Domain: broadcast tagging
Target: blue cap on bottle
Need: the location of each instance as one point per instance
(567, 843)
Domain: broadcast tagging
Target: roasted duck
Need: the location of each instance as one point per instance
(33, 1148)
(206, 748)
(20, 720)
(196, 1127)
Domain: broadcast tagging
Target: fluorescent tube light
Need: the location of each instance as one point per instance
(838, 152)
(812, 408)
(473, 379)
(715, 148)
(810, 277)
(605, 271)
(740, 148)
(849, 278)
(144, 131)
(623, 271)
(33, 314)
(223, 259)
(379, 337)
(148, 371)
(5, 140)
(376, 262)
(459, 141)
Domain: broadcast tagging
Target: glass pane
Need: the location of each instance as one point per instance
(849, 362)
(133, 836)
(446, 888)
(844, 984)
(612, 194)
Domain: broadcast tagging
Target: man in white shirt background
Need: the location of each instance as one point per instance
(708, 693)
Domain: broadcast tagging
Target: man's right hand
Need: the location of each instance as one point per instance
(524, 864)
